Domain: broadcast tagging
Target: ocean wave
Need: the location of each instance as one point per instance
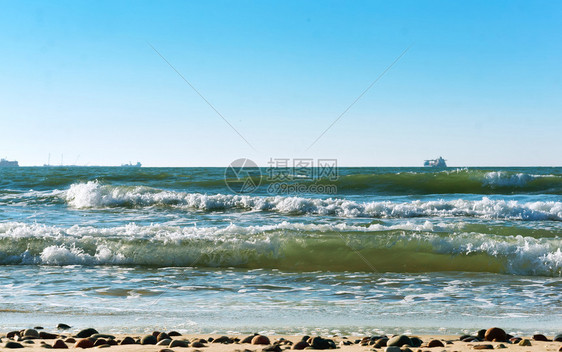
(381, 181)
(95, 195)
(409, 247)
(450, 181)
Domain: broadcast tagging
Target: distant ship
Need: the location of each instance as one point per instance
(131, 165)
(439, 162)
(7, 163)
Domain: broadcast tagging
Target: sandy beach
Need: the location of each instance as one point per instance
(31, 340)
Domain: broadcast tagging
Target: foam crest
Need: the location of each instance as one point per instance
(95, 195)
(409, 247)
(503, 179)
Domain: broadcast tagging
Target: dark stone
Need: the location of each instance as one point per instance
(515, 340)
(47, 336)
(59, 344)
(301, 345)
(163, 336)
(382, 342)
(223, 339)
(100, 342)
(416, 341)
(319, 343)
(84, 343)
(70, 340)
(12, 334)
(12, 344)
(62, 326)
(165, 342)
(464, 337)
(435, 343)
(260, 340)
(558, 337)
(481, 334)
(179, 343)
(155, 333)
(38, 327)
(148, 340)
(102, 336)
(127, 341)
(174, 333)
(30, 333)
(495, 334)
(248, 339)
(471, 339)
(399, 341)
(540, 337)
(484, 347)
(306, 337)
(272, 348)
(86, 333)
(197, 344)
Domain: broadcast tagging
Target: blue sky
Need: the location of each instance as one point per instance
(481, 84)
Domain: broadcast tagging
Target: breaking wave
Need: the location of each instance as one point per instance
(95, 195)
(409, 247)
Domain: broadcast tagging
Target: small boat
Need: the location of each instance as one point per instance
(7, 163)
(138, 164)
(439, 162)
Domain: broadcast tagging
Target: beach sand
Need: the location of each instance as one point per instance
(450, 343)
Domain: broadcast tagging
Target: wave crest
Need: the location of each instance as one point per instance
(94, 195)
(409, 247)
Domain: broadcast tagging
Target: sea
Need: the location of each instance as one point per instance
(363, 251)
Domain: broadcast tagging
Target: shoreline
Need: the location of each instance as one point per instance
(492, 338)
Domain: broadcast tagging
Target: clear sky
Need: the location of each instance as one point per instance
(481, 84)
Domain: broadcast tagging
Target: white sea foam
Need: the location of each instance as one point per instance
(503, 179)
(95, 195)
(441, 246)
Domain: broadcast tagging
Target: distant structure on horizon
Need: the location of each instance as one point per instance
(439, 162)
(138, 164)
(7, 163)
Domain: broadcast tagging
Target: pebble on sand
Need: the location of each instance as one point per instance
(148, 340)
(31, 334)
(301, 345)
(179, 343)
(163, 336)
(260, 340)
(525, 342)
(197, 344)
(165, 342)
(59, 344)
(435, 343)
(392, 349)
(127, 341)
(12, 344)
(63, 326)
(86, 333)
(483, 347)
(84, 343)
(248, 339)
(399, 341)
(495, 334)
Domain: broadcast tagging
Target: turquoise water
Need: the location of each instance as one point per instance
(392, 249)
